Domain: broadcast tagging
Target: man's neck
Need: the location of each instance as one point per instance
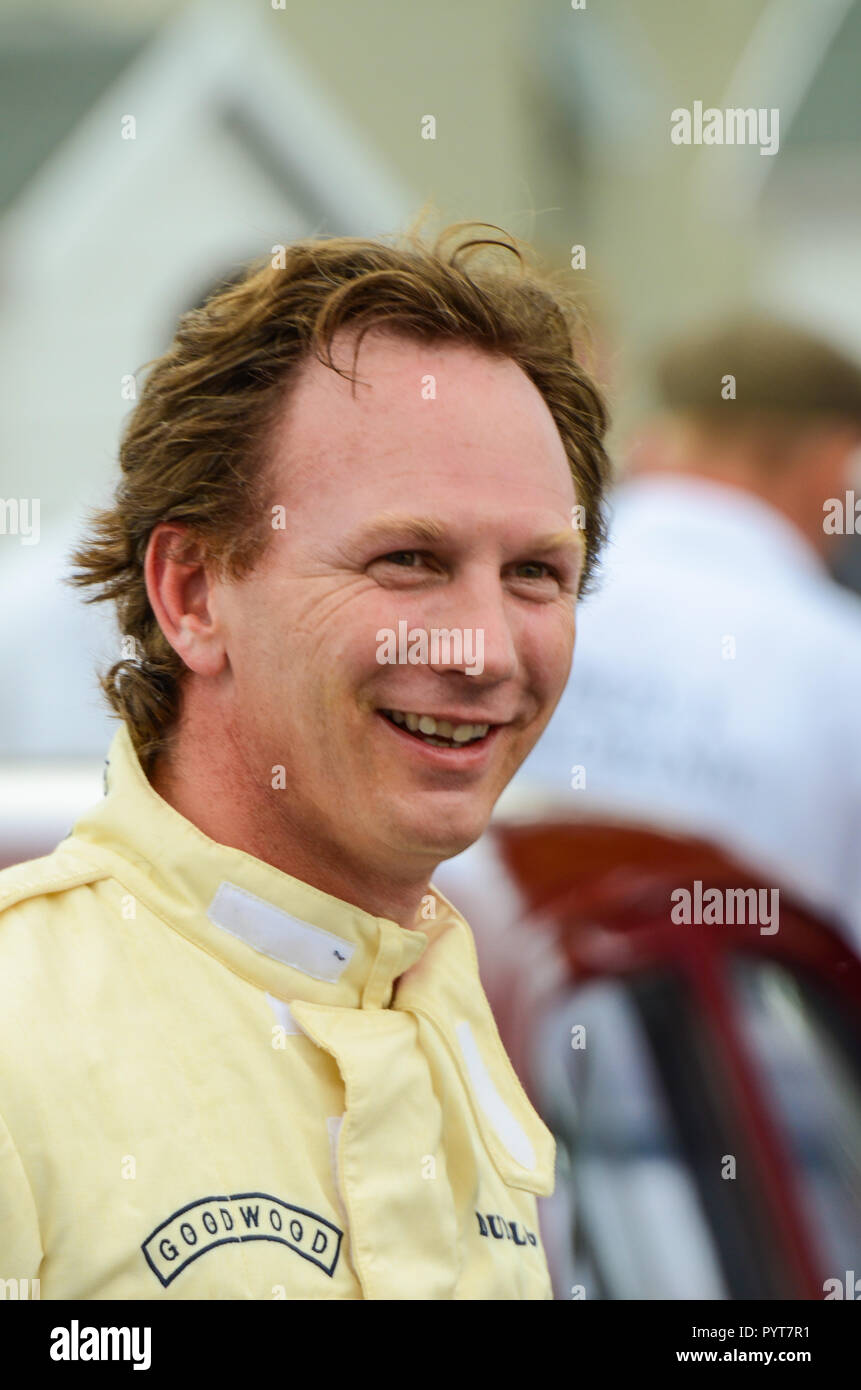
(218, 799)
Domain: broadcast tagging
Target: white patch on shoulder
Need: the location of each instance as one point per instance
(511, 1133)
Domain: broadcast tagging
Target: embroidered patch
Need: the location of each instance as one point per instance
(199, 1227)
(492, 1224)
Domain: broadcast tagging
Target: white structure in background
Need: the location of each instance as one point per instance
(235, 151)
(802, 207)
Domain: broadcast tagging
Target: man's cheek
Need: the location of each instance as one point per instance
(560, 672)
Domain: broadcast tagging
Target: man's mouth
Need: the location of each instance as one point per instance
(439, 732)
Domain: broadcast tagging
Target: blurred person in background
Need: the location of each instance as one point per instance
(714, 690)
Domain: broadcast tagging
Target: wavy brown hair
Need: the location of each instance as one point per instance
(196, 447)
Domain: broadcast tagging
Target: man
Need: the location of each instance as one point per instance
(715, 688)
(246, 1052)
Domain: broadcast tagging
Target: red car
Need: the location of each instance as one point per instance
(702, 1077)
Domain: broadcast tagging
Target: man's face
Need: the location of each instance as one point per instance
(451, 512)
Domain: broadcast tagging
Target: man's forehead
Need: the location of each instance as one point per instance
(392, 366)
(325, 416)
(419, 427)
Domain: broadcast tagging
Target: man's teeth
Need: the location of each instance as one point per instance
(442, 728)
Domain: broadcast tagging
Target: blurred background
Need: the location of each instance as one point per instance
(150, 151)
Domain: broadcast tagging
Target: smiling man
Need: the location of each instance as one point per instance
(259, 1060)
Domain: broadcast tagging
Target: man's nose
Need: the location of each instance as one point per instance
(481, 642)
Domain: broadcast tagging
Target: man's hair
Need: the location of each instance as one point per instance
(785, 378)
(197, 447)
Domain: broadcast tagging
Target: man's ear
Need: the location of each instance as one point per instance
(180, 590)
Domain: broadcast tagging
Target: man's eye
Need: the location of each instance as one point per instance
(546, 570)
(402, 558)
(418, 562)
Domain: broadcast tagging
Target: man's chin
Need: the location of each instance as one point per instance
(438, 848)
(437, 842)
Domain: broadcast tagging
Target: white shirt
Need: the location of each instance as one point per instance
(716, 689)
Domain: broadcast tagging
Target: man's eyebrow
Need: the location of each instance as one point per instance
(390, 526)
(567, 539)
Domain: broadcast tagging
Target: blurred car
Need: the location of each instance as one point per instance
(703, 1081)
